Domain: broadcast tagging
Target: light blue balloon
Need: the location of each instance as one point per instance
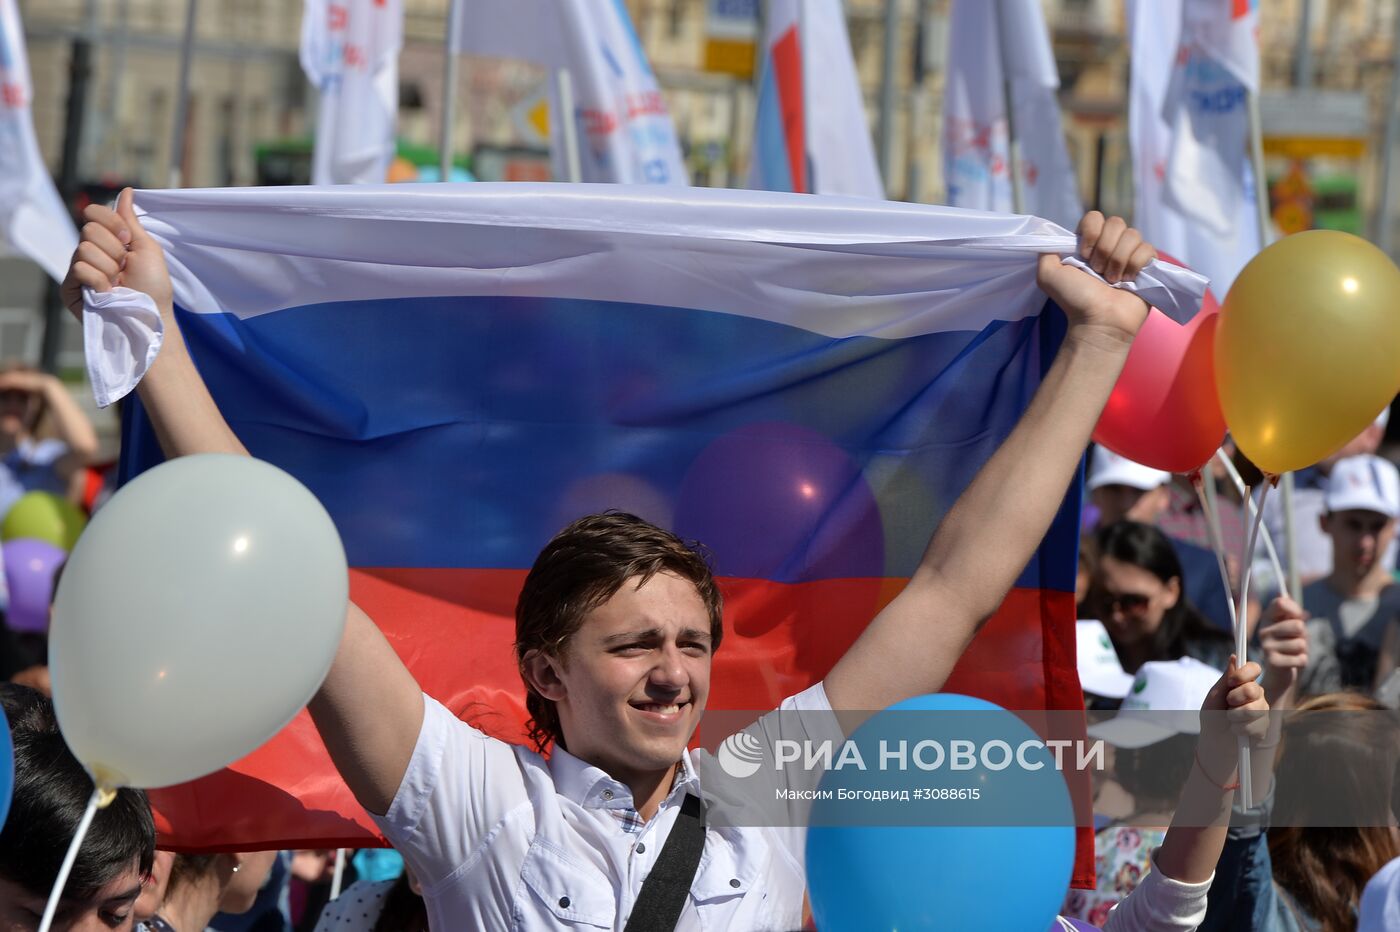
(375, 865)
(7, 768)
(898, 875)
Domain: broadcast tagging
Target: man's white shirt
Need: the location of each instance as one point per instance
(503, 838)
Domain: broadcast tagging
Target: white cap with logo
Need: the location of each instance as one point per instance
(1165, 699)
(1100, 672)
(1108, 468)
(1364, 483)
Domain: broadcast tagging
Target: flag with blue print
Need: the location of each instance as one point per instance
(1193, 66)
(624, 127)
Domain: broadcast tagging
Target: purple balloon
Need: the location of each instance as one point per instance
(29, 569)
(783, 502)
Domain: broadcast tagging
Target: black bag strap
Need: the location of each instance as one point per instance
(664, 891)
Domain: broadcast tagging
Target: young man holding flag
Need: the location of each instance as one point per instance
(616, 630)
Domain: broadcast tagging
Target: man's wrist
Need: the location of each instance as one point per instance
(1096, 337)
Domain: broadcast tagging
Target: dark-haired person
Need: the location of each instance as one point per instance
(51, 791)
(617, 627)
(201, 885)
(1123, 490)
(1137, 593)
(1324, 853)
(1333, 820)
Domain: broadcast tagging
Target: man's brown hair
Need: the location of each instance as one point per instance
(581, 568)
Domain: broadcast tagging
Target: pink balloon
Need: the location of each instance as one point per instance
(1164, 411)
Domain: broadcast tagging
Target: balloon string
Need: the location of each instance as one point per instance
(1241, 635)
(1216, 542)
(1242, 638)
(339, 876)
(1268, 538)
(94, 803)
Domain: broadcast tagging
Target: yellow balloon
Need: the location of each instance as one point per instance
(1307, 352)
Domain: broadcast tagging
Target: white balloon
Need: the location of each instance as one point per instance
(199, 612)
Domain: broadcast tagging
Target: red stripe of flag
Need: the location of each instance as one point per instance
(787, 68)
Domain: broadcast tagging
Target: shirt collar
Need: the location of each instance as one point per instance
(591, 787)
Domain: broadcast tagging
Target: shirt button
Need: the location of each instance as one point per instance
(607, 794)
(641, 848)
(563, 902)
(734, 883)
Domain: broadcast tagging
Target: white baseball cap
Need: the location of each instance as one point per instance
(1100, 672)
(1364, 483)
(1165, 699)
(1108, 468)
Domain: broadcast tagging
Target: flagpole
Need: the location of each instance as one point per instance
(449, 89)
(1013, 151)
(760, 65)
(182, 99)
(338, 877)
(1384, 222)
(115, 75)
(568, 125)
(888, 91)
(1293, 586)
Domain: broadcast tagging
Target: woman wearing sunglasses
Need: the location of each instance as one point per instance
(1137, 594)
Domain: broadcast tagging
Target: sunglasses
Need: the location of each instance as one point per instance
(1129, 603)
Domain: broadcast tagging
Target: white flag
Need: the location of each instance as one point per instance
(998, 49)
(625, 131)
(350, 51)
(1188, 124)
(32, 214)
(811, 134)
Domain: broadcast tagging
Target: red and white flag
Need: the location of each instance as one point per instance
(32, 214)
(811, 134)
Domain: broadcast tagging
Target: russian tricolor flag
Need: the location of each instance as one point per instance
(804, 384)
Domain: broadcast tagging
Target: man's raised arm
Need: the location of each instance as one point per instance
(994, 528)
(369, 709)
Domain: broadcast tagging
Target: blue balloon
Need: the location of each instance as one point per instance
(941, 858)
(375, 865)
(7, 768)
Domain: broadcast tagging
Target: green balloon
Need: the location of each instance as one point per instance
(44, 516)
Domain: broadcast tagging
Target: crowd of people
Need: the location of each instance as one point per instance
(1143, 637)
(495, 836)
